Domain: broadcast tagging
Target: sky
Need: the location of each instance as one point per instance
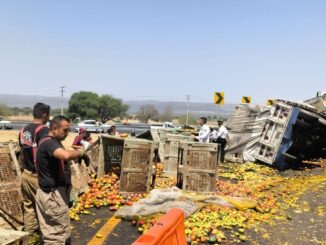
(164, 49)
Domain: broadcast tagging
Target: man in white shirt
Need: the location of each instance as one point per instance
(221, 136)
(204, 131)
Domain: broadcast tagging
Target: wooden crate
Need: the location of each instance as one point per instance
(171, 149)
(11, 214)
(79, 180)
(110, 155)
(131, 159)
(9, 169)
(197, 166)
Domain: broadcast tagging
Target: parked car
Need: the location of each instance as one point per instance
(5, 124)
(93, 126)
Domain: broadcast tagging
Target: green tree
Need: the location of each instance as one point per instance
(85, 105)
(110, 107)
(147, 112)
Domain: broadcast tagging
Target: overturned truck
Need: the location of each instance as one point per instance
(281, 135)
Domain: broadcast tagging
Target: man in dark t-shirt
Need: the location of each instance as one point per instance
(29, 138)
(52, 199)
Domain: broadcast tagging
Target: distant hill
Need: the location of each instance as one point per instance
(21, 101)
(179, 108)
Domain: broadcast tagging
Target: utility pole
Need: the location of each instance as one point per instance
(188, 98)
(62, 90)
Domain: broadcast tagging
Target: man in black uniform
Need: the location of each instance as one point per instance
(29, 138)
(52, 199)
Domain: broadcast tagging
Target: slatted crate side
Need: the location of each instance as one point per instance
(136, 154)
(200, 182)
(8, 171)
(112, 154)
(199, 166)
(171, 152)
(170, 163)
(201, 156)
(10, 204)
(133, 182)
(79, 180)
(136, 167)
(93, 154)
(109, 155)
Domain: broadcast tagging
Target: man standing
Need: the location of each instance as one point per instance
(221, 136)
(29, 138)
(204, 131)
(52, 199)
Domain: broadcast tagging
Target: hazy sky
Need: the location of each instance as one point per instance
(164, 49)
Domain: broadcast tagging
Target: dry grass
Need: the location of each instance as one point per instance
(23, 118)
(12, 135)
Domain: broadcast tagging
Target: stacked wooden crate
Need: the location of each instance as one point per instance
(11, 215)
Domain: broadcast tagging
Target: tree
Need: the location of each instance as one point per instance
(167, 114)
(110, 107)
(4, 110)
(87, 105)
(84, 105)
(147, 112)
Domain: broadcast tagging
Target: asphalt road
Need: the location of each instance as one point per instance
(87, 228)
(306, 223)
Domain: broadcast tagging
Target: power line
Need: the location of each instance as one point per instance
(62, 91)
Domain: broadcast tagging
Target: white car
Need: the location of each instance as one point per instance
(93, 126)
(5, 124)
